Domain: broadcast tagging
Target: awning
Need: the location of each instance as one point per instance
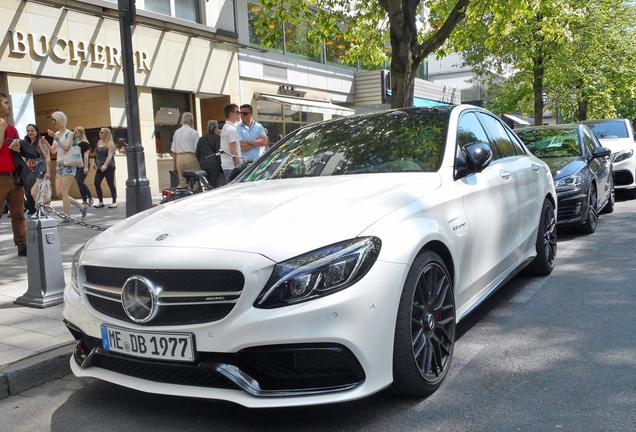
(308, 105)
(423, 102)
(517, 120)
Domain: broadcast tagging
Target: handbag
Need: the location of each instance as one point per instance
(73, 157)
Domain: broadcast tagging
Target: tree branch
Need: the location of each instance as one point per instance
(435, 40)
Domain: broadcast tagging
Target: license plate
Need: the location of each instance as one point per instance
(155, 345)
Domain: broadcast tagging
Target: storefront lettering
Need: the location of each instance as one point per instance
(40, 46)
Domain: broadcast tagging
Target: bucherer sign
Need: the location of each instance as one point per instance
(40, 46)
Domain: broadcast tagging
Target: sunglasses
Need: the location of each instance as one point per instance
(245, 113)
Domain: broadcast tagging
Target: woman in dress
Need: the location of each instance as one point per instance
(65, 175)
(105, 163)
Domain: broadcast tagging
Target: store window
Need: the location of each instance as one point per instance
(168, 107)
(184, 9)
(279, 120)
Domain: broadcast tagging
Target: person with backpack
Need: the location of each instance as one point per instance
(207, 153)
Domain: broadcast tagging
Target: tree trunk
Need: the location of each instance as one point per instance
(402, 82)
(537, 89)
(582, 109)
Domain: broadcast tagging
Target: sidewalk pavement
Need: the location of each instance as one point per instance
(35, 341)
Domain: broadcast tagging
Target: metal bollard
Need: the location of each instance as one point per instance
(44, 265)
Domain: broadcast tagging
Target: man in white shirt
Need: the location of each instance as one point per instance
(230, 141)
(184, 146)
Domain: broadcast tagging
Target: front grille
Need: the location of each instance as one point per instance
(169, 280)
(183, 297)
(623, 177)
(169, 315)
(171, 373)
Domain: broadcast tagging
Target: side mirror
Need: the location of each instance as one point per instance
(238, 170)
(479, 155)
(601, 152)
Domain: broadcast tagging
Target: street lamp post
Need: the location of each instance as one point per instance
(137, 186)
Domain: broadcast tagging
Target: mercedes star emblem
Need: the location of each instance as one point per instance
(139, 299)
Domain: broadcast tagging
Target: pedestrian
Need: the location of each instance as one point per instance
(208, 153)
(121, 146)
(105, 163)
(230, 142)
(184, 147)
(42, 170)
(252, 133)
(12, 167)
(63, 141)
(80, 176)
(33, 140)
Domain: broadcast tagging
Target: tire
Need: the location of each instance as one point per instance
(591, 222)
(425, 328)
(546, 244)
(609, 207)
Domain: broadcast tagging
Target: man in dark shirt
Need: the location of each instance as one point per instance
(207, 153)
(11, 166)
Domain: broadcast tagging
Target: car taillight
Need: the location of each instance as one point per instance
(167, 193)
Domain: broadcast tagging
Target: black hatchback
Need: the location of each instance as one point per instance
(581, 169)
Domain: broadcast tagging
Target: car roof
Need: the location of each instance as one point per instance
(556, 127)
(604, 121)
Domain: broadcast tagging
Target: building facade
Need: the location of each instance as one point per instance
(66, 56)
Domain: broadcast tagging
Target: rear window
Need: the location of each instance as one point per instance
(546, 143)
(609, 129)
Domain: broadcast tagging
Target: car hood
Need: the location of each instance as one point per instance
(276, 218)
(563, 167)
(618, 144)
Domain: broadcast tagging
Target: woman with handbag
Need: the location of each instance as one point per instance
(105, 162)
(32, 137)
(69, 158)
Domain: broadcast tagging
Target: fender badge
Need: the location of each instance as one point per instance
(161, 237)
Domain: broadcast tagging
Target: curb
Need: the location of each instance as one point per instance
(36, 370)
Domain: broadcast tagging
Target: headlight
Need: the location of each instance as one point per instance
(319, 273)
(623, 155)
(569, 182)
(75, 268)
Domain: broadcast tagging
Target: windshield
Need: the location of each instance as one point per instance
(609, 129)
(546, 143)
(395, 141)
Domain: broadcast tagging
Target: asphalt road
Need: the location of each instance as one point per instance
(556, 353)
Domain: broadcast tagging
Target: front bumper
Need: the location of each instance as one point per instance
(572, 207)
(625, 174)
(350, 333)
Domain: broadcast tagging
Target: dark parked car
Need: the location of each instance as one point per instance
(581, 169)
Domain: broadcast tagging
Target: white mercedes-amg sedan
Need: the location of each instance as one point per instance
(336, 265)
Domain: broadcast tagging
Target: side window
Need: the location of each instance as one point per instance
(498, 136)
(470, 130)
(516, 141)
(588, 142)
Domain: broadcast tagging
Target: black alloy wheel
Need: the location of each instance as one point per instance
(592, 212)
(425, 331)
(546, 244)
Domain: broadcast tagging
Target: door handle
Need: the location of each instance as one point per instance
(535, 168)
(505, 174)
